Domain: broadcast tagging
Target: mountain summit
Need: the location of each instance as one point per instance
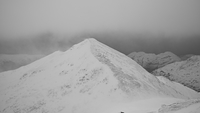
(87, 78)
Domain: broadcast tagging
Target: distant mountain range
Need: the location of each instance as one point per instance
(184, 70)
(151, 61)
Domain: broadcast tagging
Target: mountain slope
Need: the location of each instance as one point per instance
(178, 87)
(87, 78)
(185, 72)
(151, 61)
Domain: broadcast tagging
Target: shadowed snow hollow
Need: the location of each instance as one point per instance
(87, 78)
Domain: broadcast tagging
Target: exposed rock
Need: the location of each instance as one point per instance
(151, 61)
(185, 72)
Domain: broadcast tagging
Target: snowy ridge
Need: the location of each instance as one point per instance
(179, 87)
(87, 78)
(151, 61)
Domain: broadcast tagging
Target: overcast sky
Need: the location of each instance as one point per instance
(123, 21)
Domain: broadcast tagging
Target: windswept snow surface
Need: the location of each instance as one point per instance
(156, 105)
(90, 77)
(179, 87)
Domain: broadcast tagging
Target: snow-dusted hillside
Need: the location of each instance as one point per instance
(185, 72)
(178, 87)
(90, 77)
(185, 57)
(151, 61)
(11, 62)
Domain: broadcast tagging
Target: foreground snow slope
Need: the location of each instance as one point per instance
(156, 105)
(87, 78)
(185, 72)
(151, 61)
(178, 87)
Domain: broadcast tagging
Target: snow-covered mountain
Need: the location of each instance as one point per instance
(90, 77)
(11, 62)
(151, 61)
(185, 72)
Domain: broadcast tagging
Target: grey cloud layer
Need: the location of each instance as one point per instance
(126, 43)
(22, 17)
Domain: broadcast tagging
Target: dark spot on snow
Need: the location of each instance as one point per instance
(23, 76)
(65, 89)
(91, 75)
(105, 80)
(63, 72)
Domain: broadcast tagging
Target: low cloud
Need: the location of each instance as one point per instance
(46, 43)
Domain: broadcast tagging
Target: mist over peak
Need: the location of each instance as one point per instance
(125, 42)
